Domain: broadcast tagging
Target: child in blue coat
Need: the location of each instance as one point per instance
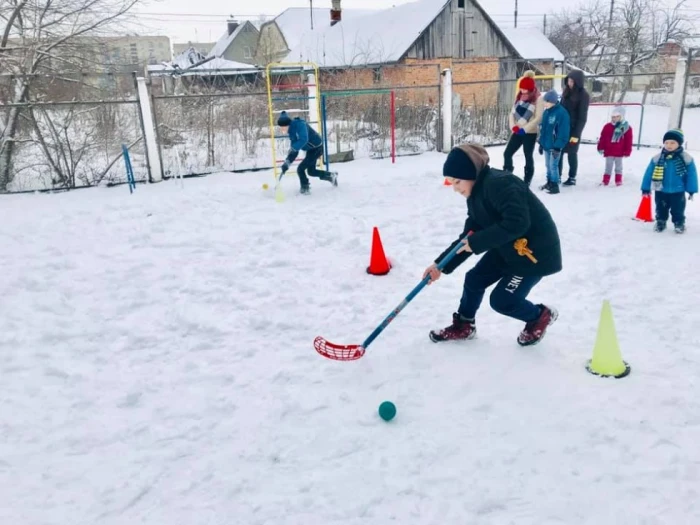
(554, 136)
(671, 174)
(304, 137)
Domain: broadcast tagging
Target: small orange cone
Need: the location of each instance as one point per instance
(447, 182)
(644, 210)
(378, 263)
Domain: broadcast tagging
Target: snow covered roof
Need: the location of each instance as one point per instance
(379, 37)
(531, 44)
(186, 59)
(295, 22)
(225, 41)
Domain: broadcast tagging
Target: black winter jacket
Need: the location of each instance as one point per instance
(506, 217)
(576, 102)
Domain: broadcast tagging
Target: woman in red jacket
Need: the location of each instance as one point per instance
(615, 143)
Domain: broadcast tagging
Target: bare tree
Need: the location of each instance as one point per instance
(602, 41)
(45, 37)
(582, 34)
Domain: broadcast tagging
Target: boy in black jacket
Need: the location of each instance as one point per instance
(518, 236)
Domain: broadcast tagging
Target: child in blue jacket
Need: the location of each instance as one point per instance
(672, 173)
(555, 129)
(304, 137)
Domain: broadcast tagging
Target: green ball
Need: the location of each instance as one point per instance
(387, 410)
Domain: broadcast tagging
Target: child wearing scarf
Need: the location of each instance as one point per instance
(671, 174)
(615, 142)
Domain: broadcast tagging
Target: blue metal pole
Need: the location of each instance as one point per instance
(129, 170)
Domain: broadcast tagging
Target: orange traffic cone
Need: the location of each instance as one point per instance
(447, 182)
(644, 210)
(378, 263)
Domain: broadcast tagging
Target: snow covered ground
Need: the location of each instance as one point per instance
(157, 362)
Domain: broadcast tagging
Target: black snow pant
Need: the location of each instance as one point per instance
(509, 297)
(309, 164)
(670, 202)
(528, 142)
(571, 151)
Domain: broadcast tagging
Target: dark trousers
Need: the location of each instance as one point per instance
(571, 151)
(509, 297)
(528, 142)
(673, 202)
(309, 165)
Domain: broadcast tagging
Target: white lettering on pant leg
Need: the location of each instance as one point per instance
(512, 286)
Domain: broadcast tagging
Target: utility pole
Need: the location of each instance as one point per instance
(610, 20)
(516, 13)
(311, 12)
(544, 25)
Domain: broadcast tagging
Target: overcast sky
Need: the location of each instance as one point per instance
(205, 20)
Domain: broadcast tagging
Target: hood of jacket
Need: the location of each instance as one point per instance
(577, 76)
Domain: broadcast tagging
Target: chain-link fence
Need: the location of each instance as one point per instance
(362, 121)
(481, 108)
(70, 133)
(206, 133)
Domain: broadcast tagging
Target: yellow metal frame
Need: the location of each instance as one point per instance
(542, 77)
(287, 65)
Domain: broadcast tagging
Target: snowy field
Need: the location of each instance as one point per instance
(157, 363)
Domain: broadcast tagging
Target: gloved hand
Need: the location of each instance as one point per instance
(573, 140)
(515, 129)
(690, 196)
(521, 131)
(556, 153)
(601, 152)
(541, 151)
(646, 193)
(285, 167)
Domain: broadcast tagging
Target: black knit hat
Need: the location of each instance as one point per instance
(674, 134)
(284, 119)
(465, 162)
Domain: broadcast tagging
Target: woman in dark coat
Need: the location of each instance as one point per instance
(575, 100)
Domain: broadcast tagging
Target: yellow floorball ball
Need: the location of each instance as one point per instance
(265, 186)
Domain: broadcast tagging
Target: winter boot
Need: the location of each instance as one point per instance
(571, 181)
(679, 228)
(534, 330)
(606, 180)
(660, 226)
(460, 329)
(529, 173)
(618, 179)
(552, 188)
(305, 190)
(334, 178)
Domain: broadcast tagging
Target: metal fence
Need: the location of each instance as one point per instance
(206, 133)
(70, 133)
(59, 146)
(480, 111)
(361, 121)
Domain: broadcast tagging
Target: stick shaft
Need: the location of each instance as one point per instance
(395, 312)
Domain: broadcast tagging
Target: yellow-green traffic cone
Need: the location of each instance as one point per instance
(607, 360)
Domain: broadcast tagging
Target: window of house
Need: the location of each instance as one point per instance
(247, 53)
(134, 53)
(460, 4)
(377, 75)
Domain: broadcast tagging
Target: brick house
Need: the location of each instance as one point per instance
(408, 45)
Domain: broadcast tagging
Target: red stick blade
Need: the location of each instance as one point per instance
(338, 352)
